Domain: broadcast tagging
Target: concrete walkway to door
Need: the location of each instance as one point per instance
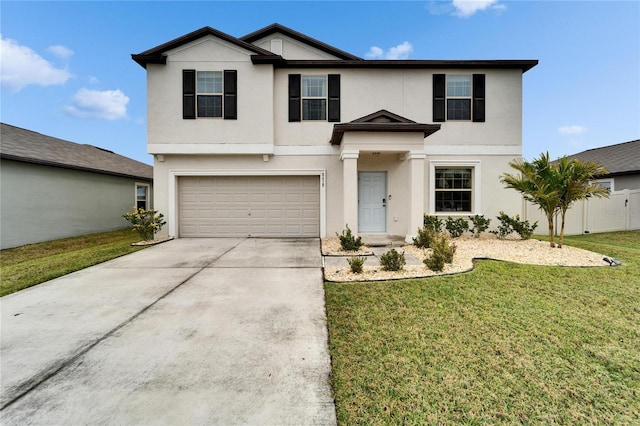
(192, 331)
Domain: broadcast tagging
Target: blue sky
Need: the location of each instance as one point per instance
(67, 71)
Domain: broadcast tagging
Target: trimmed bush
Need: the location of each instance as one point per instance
(442, 253)
(392, 260)
(145, 222)
(349, 242)
(432, 222)
(509, 225)
(425, 237)
(480, 224)
(356, 263)
(456, 227)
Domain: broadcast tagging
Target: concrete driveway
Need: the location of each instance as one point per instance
(192, 331)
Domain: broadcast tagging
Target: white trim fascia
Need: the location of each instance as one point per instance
(306, 150)
(210, 148)
(467, 150)
(352, 154)
(477, 201)
(173, 176)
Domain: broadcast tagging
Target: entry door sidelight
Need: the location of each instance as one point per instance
(372, 202)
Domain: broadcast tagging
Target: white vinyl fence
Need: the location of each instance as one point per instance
(619, 212)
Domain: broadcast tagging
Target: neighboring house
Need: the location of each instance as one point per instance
(618, 212)
(621, 160)
(278, 134)
(51, 188)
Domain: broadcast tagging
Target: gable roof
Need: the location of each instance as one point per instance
(381, 121)
(156, 55)
(619, 159)
(277, 28)
(31, 147)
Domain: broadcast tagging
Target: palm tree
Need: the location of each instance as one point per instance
(575, 179)
(540, 184)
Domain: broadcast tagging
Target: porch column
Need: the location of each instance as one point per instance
(350, 189)
(416, 187)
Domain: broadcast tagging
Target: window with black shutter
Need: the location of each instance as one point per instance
(314, 97)
(459, 97)
(209, 94)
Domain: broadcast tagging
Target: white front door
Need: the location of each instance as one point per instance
(372, 202)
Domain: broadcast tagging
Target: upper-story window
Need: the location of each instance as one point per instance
(209, 94)
(459, 97)
(209, 87)
(314, 97)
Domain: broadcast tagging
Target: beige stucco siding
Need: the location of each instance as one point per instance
(254, 124)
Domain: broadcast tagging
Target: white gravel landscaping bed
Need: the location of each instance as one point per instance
(531, 251)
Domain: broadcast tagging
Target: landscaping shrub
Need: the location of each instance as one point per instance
(442, 253)
(505, 228)
(523, 228)
(145, 222)
(480, 224)
(425, 237)
(392, 260)
(356, 263)
(348, 241)
(456, 227)
(513, 224)
(432, 222)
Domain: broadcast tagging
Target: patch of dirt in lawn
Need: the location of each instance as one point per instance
(532, 251)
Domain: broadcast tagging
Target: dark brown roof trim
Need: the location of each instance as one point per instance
(524, 65)
(340, 129)
(278, 28)
(383, 113)
(156, 55)
(71, 167)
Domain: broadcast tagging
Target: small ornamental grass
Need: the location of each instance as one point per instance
(442, 253)
(356, 263)
(392, 260)
(145, 222)
(348, 241)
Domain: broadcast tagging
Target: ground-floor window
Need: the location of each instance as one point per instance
(142, 196)
(454, 187)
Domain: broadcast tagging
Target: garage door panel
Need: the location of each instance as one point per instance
(261, 206)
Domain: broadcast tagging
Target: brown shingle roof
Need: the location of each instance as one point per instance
(25, 145)
(619, 159)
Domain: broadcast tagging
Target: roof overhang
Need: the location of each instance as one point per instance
(340, 129)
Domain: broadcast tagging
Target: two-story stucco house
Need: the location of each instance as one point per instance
(278, 134)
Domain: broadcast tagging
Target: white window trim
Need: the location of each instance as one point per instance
(469, 98)
(325, 97)
(135, 194)
(220, 94)
(175, 174)
(609, 181)
(476, 202)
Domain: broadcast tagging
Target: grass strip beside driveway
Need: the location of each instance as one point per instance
(32, 264)
(506, 343)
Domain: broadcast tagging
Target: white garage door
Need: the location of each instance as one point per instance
(256, 206)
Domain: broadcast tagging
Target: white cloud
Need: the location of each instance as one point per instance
(573, 129)
(103, 105)
(60, 51)
(466, 8)
(21, 66)
(401, 51)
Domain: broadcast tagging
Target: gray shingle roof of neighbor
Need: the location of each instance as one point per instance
(28, 146)
(619, 159)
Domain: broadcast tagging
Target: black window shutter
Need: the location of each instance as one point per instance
(439, 101)
(334, 97)
(294, 97)
(230, 94)
(189, 94)
(478, 97)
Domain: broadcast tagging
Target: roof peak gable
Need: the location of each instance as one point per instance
(279, 28)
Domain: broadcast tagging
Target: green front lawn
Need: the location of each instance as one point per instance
(506, 343)
(33, 264)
